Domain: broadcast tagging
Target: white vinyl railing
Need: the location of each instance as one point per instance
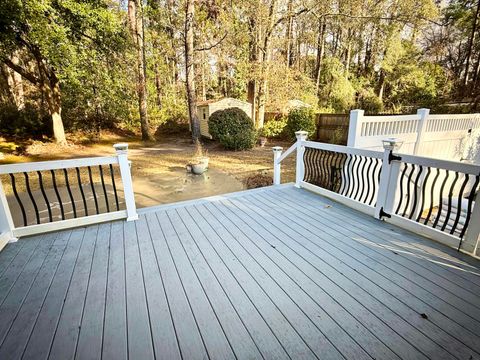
(78, 201)
(433, 197)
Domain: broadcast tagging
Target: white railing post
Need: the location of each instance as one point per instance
(471, 239)
(388, 178)
(355, 127)
(300, 166)
(6, 221)
(122, 151)
(277, 152)
(422, 126)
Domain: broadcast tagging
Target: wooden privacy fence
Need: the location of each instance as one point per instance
(332, 128)
(53, 195)
(436, 198)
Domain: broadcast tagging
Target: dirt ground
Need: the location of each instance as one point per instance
(158, 168)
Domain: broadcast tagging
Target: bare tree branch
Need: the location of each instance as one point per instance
(213, 45)
(17, 68)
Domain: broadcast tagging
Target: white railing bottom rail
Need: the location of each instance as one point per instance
(436, 198)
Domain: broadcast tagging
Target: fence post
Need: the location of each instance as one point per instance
(6, 221)
(300, 166)
(354, 127)
(422, 126)
(122, 151)
(388, 179)
(277, 152)
(472, 235)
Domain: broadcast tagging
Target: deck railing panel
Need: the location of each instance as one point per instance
(51, 195)
(430, 196)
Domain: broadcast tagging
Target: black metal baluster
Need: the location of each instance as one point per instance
(92, 186)
(114, 186)
(459, 204)
(72, 200)
(402, 180)
(22, 209)
(422, 201)
(415, 192)
(370, 179)
(361, 177)
(344, 173)
(471, 197)
(79, 179)
(441, 199)
(378, 169)
(104, 188)
(47, 202)
(54, 181)
(352, 171)
(325, 179)
(316, 167)
(309, 167)
(432, 193)
(32, 199)
(409, 185)
(450, 194)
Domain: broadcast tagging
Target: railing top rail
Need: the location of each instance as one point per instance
(452, 116)
(343, 149)
(379, 118)
(58, 164)
(460, 167)
(287, 153)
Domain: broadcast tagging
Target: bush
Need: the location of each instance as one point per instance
(274, 128)
(301, 118)
(233, 129)
(25, 122)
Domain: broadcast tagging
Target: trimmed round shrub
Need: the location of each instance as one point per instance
(233, 129)
(300, 119)
(274, 128)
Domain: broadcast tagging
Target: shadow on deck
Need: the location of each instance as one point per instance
(272, 273)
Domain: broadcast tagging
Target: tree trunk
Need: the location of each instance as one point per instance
(289, 57)
(135, 16)
(190, 69)
(15, 83)
(53, 97)
(253, 59)
(471, 41)
(322, 26)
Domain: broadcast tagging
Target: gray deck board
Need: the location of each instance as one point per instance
(276, 273)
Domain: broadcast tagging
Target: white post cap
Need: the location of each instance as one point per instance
(392, 143)
(301, 135)
(277, 148)
(121, 148)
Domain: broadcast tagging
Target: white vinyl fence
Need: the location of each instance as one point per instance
(437, 198)
(450, 136)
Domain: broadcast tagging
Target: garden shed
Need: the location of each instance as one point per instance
(206, 108)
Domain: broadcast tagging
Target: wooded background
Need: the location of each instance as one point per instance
(92, 64)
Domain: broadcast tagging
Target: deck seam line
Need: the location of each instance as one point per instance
(106, 289)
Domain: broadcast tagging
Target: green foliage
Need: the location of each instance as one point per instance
(233, 129)
(337, 90)
(25, 122)
(300, 119)
(274, 128)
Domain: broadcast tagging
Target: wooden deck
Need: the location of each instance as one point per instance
(273, 274)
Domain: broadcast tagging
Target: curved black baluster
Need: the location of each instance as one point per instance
(415, 192)
(54, 181)
(432, 193)
(402, 180)
(92, 186)
(422, 202)
(325, 161)
(409, 185)
(361, 178)
(378, 169)
(338, 171)
(72, 200)
(440, 206)
(352, 172)
(313, 167)
(370, 179)
(306, 158)
(344, 174)
(450, 194)
(104, 188)
(47, 202)
(114, 186)
(317, 166)
(22, 209)
(333, 170)
(79, 179)
(459, 204)
(469, 208)
(32, 199)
